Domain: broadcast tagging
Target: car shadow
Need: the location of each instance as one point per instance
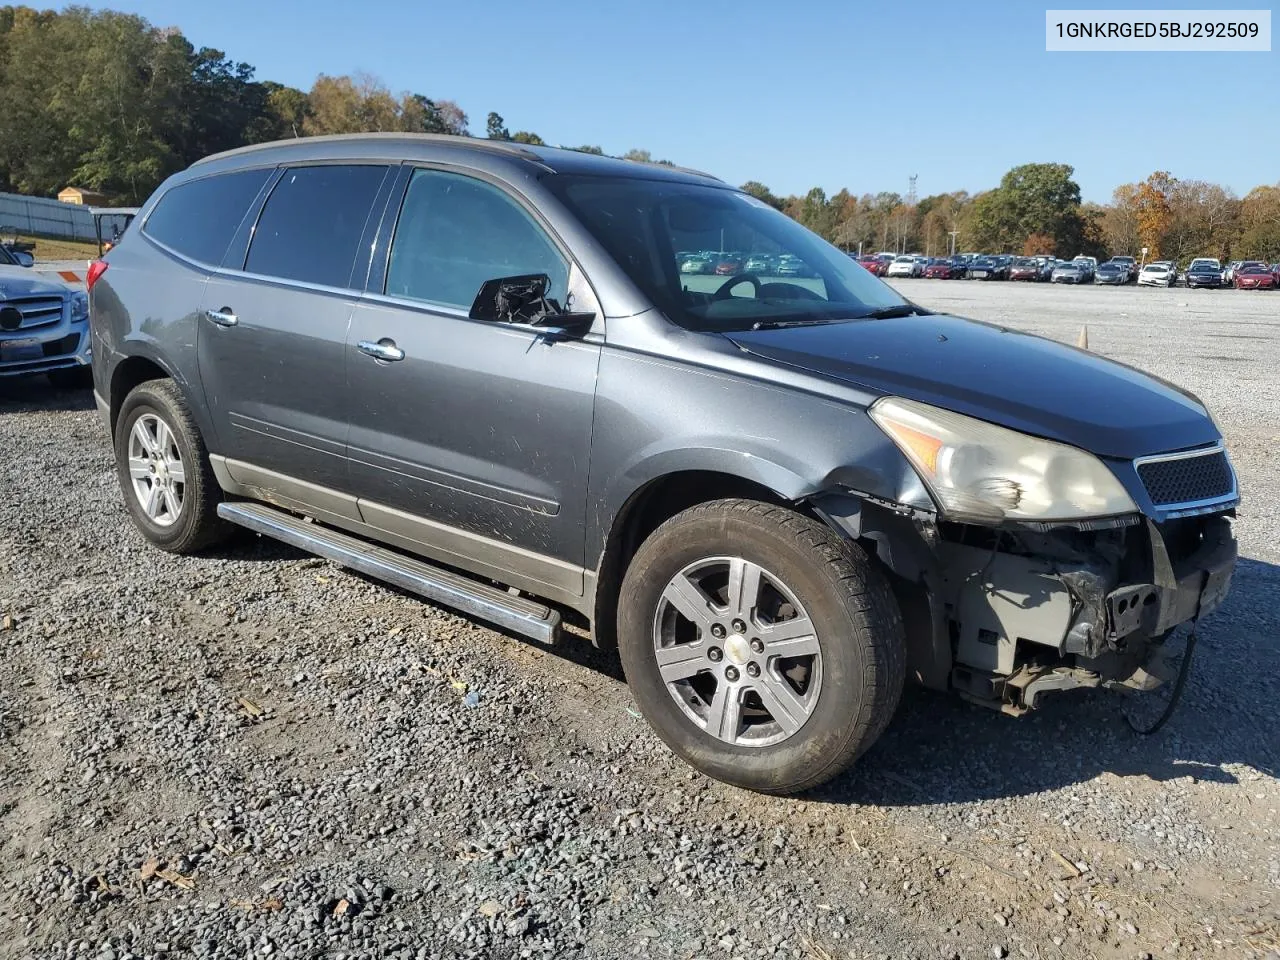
(33, 393)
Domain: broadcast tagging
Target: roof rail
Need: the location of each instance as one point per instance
(469, 143)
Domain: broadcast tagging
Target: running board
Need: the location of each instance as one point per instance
(468, 596)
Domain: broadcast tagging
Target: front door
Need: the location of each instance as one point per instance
(471, 438)
(273, 339)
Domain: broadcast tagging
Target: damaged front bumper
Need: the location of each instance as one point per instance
(1003, 615)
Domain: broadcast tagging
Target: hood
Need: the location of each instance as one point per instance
(1017, 380)
(26, 282)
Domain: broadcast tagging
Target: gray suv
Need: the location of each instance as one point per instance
(476, 371)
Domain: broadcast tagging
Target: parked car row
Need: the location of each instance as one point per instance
(732, 263)
(1118, 271)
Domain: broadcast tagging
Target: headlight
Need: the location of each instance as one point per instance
(79, 307)
(979, 471)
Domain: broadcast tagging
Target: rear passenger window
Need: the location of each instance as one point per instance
(311, 225)
(199, 218)
(456, 232)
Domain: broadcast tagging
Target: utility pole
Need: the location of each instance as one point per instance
(952, 234)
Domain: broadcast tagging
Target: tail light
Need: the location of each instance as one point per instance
(96, 269)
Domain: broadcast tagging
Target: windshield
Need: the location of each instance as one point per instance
(800, 277)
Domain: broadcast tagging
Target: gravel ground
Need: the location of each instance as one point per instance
(254, 753)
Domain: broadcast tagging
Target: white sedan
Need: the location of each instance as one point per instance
(905, 266)
(1161, 273)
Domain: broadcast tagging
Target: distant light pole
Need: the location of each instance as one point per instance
(953, 241)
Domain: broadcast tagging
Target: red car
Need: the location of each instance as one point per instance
(941, 270)
(873, 265)
(1255, 276)
(728, 267)
(1025, 268)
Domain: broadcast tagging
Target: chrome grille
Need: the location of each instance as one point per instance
(1188, 479)
(37, 311)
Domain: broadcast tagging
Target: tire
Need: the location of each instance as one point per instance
(195, 524)
(850, 687)
(71, 378)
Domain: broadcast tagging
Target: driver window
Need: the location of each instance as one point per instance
(709, 260)
(456, 232)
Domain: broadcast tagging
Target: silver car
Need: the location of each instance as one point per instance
(1070, 272)
(44, 325)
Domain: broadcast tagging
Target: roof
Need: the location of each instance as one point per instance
(83, 192)
(406, 146)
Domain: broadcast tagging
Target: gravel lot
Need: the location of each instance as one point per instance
(255, 753)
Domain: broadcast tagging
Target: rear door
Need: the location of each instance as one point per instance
(274, 328)
(474, 443)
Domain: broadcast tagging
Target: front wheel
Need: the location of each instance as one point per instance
(764, 649)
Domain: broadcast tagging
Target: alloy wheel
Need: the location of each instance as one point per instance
(737, 651)
(156, 471)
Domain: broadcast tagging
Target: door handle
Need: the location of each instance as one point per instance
(223, 317)
(384, 349)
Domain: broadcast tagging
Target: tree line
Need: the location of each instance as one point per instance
(1036, 209)
(106, 101)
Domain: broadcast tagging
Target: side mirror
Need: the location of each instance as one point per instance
(523, 300)
(24, 258)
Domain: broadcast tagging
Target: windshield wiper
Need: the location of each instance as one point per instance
(890, 313)
(778, 324)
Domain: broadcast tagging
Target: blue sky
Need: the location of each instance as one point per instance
(833, 94)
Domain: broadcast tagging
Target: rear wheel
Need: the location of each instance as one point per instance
(764, 649)
(163, 468)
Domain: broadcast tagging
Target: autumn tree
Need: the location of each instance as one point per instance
(1260, 220)
(1151, 206)
(1120, 221)
(1038, 244)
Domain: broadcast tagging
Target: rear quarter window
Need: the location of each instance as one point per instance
(198, 218)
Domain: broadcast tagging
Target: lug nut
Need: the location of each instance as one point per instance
(717, 631)
(753, 670)
(739, 627)
(731, 674)
(715, 654)
(757, 645)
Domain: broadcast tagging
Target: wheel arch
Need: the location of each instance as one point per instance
(140, 366)
(648, 507)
